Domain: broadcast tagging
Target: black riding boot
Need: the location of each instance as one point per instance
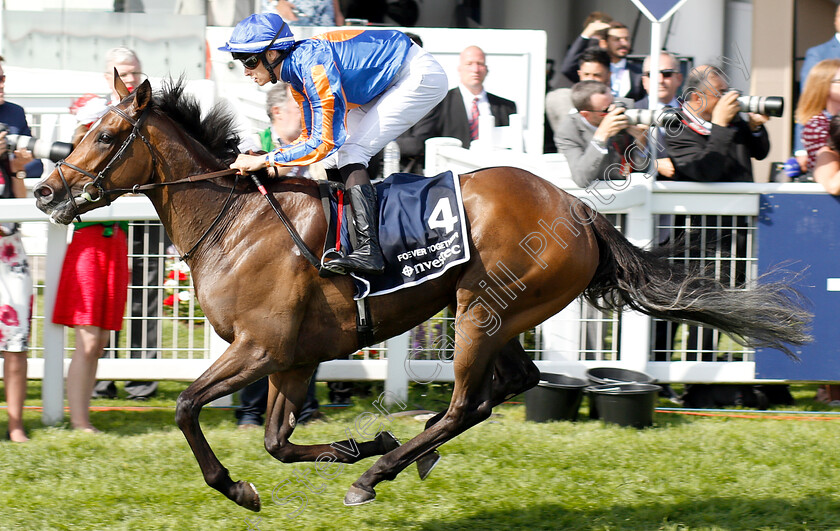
(367, 257)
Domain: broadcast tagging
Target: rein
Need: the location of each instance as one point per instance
(96, 182)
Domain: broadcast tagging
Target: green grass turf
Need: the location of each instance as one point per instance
(685, 473)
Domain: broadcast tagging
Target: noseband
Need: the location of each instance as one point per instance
(96, 180)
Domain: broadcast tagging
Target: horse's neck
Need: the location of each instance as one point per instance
(188, 210)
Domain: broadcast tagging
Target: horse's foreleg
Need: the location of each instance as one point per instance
(471, 403)
(233, 370)
(287, 394)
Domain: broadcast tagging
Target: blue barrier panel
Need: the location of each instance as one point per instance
(803, 231)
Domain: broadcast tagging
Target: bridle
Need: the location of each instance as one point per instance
(96, 183)
(96, 180)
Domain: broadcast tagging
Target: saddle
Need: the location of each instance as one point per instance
(422, 230)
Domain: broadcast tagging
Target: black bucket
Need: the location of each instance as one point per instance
(610, 375)
(625, 404)
(556, 397)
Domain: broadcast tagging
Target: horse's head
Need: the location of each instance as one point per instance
(114, 156)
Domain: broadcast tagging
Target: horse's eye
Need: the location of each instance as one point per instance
(105, 138)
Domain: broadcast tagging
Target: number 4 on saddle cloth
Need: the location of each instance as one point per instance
(422, 231)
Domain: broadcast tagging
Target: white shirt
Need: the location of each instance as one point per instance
(483, 102)
(592, 128)
(620, 78)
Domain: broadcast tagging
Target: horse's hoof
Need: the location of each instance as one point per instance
(427, 463)
(358, 496)
(389, 441)
(248, 496)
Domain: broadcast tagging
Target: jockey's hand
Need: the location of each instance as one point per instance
(248, 163)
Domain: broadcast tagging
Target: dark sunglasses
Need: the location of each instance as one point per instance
(3, 78)
(667, 74)
(249, 60)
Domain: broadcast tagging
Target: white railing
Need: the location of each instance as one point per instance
(402, 359)
(639, 203)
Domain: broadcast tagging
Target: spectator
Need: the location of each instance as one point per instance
(715, 142)
(819, 101)
(147, 242)
(91, 298)
(15, 278)
(93, 286)
(306, 12)
(356, 102)
(14, 118)
(457, 115)
(593, 26)
(827, 168)
(598, 136)
(827, 50)
(595, 66)
(626, 77)
(670, 79)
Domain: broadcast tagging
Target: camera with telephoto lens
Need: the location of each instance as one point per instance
(766, 105)
(658, 117)
(40, 149)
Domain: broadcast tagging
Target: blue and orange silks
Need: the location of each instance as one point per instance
(331, 73)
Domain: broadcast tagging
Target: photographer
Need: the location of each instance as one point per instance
(714, 143)
(598, 139)
(12, 116)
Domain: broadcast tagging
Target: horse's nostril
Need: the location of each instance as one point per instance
(43, 191)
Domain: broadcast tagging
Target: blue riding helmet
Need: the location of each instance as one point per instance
(259, 33)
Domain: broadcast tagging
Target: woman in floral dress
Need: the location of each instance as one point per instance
(15, 309)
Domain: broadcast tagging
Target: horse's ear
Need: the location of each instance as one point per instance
(119, 86)
(142, 95)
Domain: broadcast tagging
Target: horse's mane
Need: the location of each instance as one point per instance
(216, 131)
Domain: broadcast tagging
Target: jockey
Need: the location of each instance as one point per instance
(357, 90)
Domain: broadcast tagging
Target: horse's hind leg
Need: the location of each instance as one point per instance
(471, 403)
(513, 373)
(287, 393)
(233, 370)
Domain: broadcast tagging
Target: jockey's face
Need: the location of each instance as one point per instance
(259, 73)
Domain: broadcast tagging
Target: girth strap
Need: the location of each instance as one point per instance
(364, 330)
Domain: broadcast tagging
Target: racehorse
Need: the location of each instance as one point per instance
(282, 319)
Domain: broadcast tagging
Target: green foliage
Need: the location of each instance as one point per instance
(686, 473)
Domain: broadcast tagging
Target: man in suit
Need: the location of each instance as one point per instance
(670, 79)
(595, 24)
(598, 140)
(715, 142)
(594, 65)
(626, 77)
(457, 115)
(827, 50)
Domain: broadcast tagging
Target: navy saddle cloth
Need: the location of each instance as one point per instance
(422, 231)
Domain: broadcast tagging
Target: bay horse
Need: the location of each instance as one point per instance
(282, 319)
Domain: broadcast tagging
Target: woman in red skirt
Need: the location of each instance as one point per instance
(91, 298)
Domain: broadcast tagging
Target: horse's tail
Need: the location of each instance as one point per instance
(767, 315)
